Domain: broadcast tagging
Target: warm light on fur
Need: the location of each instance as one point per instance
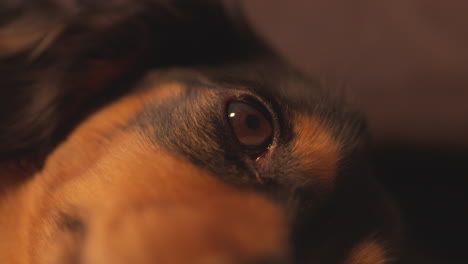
(120, 151)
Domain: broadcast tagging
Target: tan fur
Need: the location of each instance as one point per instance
(111, 195)
(317, 151)
(368, 252)
(158, 175)
(134, 197)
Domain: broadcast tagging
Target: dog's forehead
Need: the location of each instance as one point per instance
(272, 79)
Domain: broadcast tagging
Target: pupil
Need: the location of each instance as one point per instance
(253, 122)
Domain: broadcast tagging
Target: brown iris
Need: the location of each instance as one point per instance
(250, 125)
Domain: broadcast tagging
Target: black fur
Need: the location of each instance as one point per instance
(194, 126)
(42, 98)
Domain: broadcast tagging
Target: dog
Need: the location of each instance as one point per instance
(147, 151)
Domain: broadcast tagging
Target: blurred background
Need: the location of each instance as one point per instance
(404, 63)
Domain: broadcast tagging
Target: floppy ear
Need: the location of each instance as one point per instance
(51, 64)
(42, 94)
(32, 26)
(60, 59)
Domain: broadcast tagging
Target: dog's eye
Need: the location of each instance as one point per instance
(251, 126)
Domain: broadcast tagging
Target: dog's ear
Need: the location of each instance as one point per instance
(57, 56)
(32, 26)
(47, 85)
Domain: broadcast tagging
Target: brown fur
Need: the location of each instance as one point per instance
(166, 202)
(155, 174)
(368, 252)
(108, 195)
(316, 149)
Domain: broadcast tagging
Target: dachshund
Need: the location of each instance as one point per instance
(146, 132)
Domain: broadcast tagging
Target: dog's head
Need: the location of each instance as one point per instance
(236, 162)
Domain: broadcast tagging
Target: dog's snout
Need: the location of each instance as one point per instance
(172, 212)
(178, 234)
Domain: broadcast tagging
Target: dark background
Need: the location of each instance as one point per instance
(404, 63)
